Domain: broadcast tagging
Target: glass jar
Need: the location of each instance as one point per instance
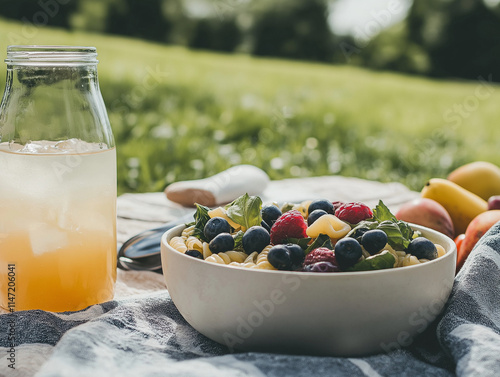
(57, 182)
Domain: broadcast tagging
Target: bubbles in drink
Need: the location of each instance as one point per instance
(45, 146)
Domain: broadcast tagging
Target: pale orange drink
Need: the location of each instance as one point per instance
(58, 247)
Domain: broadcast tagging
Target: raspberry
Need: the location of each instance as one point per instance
(321, 254)
(321, 267)
(289, 225)
(353, 213)
(336, 204)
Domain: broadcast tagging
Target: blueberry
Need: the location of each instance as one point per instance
(256, 239)
(347, 252)
(221, 243)
(297, 255)
(215, 226)
(279, 257)
(265, 225)
(321, 267)
(315, 215)
(194, 253)
(374, 240)
(358, 233)
(270, 214)
(422, 248)
(323, 204)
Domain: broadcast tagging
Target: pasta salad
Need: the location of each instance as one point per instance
(312, 236)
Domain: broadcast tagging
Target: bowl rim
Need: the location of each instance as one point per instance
(450, 253)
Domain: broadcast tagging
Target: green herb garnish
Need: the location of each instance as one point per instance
(399, 233)
(322, 240)
(245, 211)
(200, 219)
(376, 262)
(302, 242)
(238, 241)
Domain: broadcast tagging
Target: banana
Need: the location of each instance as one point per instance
(461, 204)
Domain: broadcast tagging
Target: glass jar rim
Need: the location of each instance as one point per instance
(50, 55)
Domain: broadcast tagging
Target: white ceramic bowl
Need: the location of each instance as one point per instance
(341, 314)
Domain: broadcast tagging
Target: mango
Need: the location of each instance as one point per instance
(461, 204)
(429, 213)
(480, 177)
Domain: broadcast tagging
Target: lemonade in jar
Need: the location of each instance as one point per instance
(57, 182)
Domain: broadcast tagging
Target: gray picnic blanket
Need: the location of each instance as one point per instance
(146, 336)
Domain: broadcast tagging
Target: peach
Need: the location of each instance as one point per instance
(476, 229)
(429, 213)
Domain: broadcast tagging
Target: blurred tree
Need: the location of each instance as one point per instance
(216, 34)
(293, 29)
(180, 24)
(40, 13)
(392, 50)
(461, 37)
(138, 18)
(91, 15)
(470, 46)
(426, 21)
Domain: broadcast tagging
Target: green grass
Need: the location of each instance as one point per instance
(209, 111)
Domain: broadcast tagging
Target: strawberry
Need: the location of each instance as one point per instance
(353, 213)
(289, 225)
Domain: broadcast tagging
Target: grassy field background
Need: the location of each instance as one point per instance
(178, 114)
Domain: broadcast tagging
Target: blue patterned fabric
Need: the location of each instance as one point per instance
(146, 336)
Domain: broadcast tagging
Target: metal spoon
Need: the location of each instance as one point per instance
(142, 251)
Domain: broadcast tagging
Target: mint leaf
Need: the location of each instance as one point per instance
(362, 228)
(406, 231)
(399, 233)
(322, 240)
(394, 236)
(302, 242)
(238, 240)
(245, 211)
(200, 219)
(382, 213)
(376, 262)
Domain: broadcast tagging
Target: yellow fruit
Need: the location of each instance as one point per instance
(221, 212)
(330, 225)
(461, 204)
(481, 178)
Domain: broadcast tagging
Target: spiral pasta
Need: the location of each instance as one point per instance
(249, 261)
(265, 265)
(179, 244)
(188, 232)
(256, 260)
(206, 250)
(262, 257)
(402, 258)
(193, 243)
(252, 258)
(410, 260)
(440, 249)
(227, 257)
